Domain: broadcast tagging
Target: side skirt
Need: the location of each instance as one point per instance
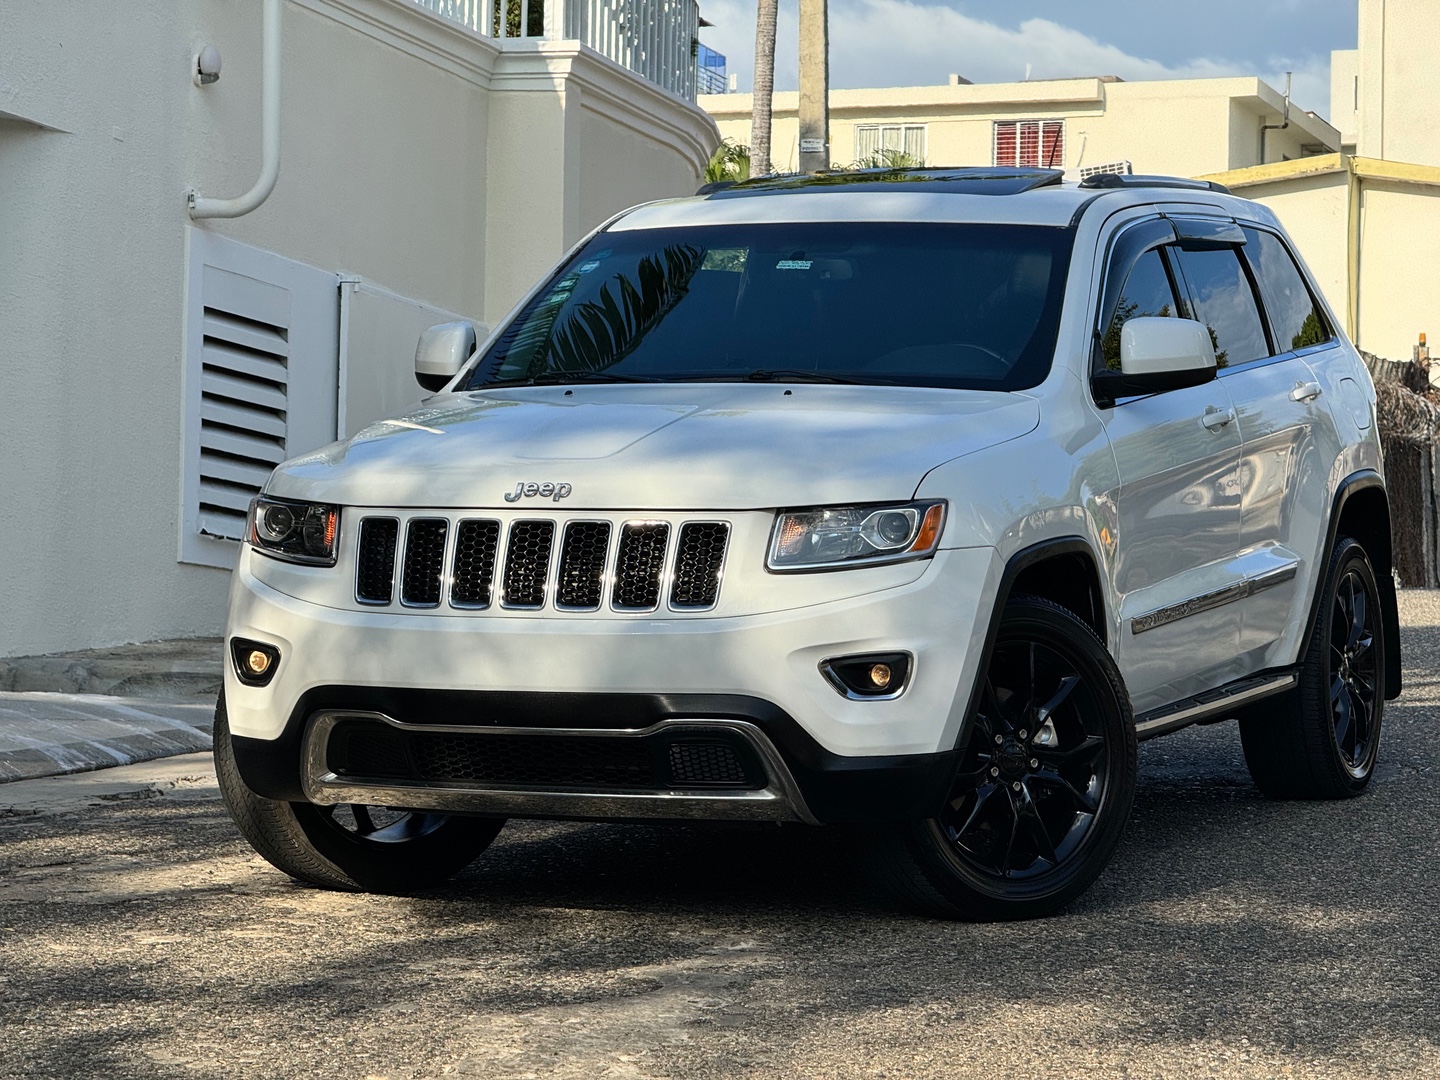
(1213, 704)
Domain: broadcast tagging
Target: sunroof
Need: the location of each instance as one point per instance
(975, 181)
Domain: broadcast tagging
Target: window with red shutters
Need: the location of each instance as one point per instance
(1030, 143)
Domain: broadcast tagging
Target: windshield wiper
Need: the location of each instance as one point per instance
(554, 378)
(796, 375)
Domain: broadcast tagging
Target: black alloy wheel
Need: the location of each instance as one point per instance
(1321, 741)
(1035, 770)
(1354, 679)
(1044, 786)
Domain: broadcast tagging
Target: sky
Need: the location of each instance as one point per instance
(920, 42)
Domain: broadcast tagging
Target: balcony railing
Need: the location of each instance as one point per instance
(656, 39)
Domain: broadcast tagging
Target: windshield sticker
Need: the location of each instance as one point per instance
(585, 268)
(793, 264)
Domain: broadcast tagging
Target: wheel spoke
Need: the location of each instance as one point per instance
(1359, 723)
(1054, 780)
(1357, 615)
(1014, 831)
(1027, 817)
(1067, 684)
(967, 782)
(997, 724)
(982, 797)
(1337, 687)
(1342, 718)
(1083, 753)
(364, 823)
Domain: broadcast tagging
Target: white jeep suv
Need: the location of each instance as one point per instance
(908, 499)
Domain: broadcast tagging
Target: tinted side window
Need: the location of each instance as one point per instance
(1225, 302)
(1294, 318)
(1146, 292)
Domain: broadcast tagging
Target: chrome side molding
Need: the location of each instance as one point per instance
(1211, 600)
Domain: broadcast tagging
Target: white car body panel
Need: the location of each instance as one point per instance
(1156, 496)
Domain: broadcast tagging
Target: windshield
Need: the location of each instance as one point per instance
(917, 304)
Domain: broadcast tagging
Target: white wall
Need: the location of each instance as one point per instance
(414, 154)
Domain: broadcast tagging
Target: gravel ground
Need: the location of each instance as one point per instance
(1231, 936)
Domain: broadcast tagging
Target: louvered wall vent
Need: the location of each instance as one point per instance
(243, 406)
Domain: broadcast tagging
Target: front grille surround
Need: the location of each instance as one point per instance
(522, 564)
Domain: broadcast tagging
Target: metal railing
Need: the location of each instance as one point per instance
(656, 39)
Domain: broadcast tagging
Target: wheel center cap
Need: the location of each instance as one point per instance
(1011, 758)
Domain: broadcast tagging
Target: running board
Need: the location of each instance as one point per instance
(1181, 714)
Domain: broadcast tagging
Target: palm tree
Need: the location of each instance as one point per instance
(731, 161)
(766, 15)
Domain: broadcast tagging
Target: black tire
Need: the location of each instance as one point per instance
(1050, 753)
(1321, 740)
(347, 848)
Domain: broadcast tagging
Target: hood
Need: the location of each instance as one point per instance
(700, 446)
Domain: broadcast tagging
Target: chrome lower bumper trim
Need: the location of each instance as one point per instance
(779, 800)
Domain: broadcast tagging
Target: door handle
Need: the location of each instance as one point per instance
(1216, 419)
(1306, 391)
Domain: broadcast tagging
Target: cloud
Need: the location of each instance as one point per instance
(909, 43)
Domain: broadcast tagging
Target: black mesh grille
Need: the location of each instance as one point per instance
(582, 564)
(698, 560)
(638, 565)
(424, 558)
(701, 764)
(375, 562)
(363, 748)
(527, 561)
(475, 545)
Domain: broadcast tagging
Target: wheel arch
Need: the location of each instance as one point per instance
(1065, 562)
(1361, 510)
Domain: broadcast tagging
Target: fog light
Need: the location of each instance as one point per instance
(255, 662)
(880, 676)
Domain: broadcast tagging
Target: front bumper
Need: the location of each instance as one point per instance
(827, 757)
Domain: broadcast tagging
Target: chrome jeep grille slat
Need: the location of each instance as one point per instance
(476, 545)
(582, 565)
(375, 565)
(698, 563)
(529, 564)
(424, 560)
(638, 565)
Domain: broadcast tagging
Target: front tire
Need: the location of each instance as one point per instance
(1321, 741)
(350, 848)
(1045, 784)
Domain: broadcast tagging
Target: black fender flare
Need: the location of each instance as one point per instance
(1362, 480)
(1014, 566)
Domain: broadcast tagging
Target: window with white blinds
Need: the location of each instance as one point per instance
(261, 341)
(1030, 142)
(872, 140)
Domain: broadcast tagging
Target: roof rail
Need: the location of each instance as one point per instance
(1117, 180)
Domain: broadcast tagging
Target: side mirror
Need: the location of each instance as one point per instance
(1158, 354)
(442, 352)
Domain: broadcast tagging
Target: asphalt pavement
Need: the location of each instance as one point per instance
(1231, 936)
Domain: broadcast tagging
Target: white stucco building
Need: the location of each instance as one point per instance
(153, 366)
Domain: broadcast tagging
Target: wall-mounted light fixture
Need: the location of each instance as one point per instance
(207, 66)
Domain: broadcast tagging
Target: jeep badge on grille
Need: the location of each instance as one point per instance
(533, 490)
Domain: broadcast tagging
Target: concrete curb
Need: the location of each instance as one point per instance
(51, 734)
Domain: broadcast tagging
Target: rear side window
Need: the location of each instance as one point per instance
(1147, 292)
(1225, 302)
(1295, 318)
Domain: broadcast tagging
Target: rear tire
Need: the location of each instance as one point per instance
(1321, 741)
(1044, 787)
(352, 849)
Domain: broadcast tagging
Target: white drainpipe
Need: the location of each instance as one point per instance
(201, 207)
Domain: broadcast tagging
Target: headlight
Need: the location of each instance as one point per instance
(844, 536)
(294, 531)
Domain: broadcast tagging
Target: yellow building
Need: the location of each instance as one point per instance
(1181, 126)
(1368, 219)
